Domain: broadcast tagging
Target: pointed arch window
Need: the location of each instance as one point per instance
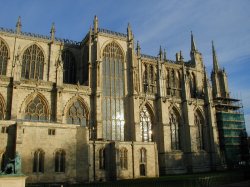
(149, 79)
(33, 63)
(37, 110)
(143, 161)
(69, 67)
(60, 161)
(145, 125)
(77, 114)
(38, 161)
(113, 92)
(124, 158)
(3, 58)
(174, 130)
(173, 83)
(192, 84)
(102, 158)
(199, 123)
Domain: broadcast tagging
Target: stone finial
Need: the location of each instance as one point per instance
(95, 23)
(193, 45)
(52, 32)
(164, 55)
(18, 25)
(181, 57)
(138, 49)
(129, 33)
(160, 53)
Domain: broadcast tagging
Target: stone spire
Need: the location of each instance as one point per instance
(215, 61)
(95, 23)
(52, 32)
(18, 25)
(193, 45)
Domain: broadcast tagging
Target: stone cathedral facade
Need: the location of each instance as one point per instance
(100, 110)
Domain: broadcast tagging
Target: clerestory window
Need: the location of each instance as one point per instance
(33, 63)
(3, 58)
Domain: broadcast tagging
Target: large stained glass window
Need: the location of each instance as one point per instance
(69, 67)
(113, 93)
(199, 123)
(33, 62)
(77, 114)
(174, 129)
(36, 110)
(3, 58)
(145, 125)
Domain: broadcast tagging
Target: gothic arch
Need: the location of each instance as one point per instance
(2, 108)
(4, 56)
(33, 69)
(114, 42)
(199, 122)
(175, 128)
(147, 129)
(6, 44)
(29, 99)
(198, 110)
(70, 103)
(173, 107)
(149, 107)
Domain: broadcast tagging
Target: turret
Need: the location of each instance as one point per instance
(196, 56)
(18, 25)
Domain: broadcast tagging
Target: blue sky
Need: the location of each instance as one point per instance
(154, 23)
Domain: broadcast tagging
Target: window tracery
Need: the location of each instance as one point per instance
(199, 123)
(113, 92)
(173, 83)
(3, 58)
(124, 158)
(149, 83)
(37, 110)
(77, 114)
(38, 161)
(174, 130)
(33, 63)
(145, 125)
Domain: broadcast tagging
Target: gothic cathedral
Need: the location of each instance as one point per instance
(99, 109)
